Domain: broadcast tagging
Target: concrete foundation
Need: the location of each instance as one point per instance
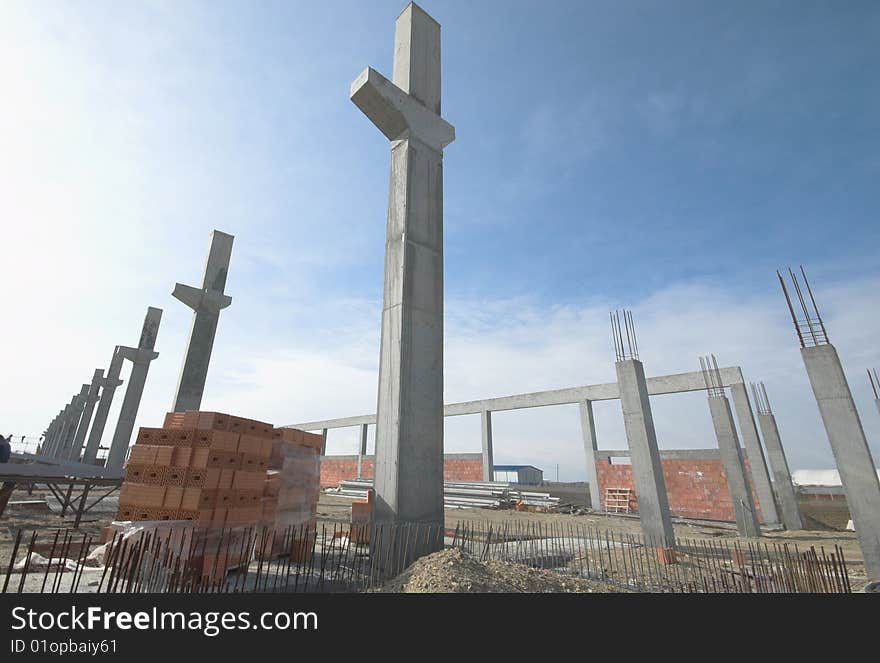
(728, 445)
(785, 494)
(486, 435)
(644, 454)
(850, 446)
(752, 443)
(588, 430)
(140, 358)
(206, 303)
(108, 388)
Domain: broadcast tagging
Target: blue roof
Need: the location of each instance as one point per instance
(514, 468)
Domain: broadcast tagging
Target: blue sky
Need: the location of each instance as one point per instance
(666, 156)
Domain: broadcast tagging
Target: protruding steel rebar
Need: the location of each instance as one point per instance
(810, 329)
(625, 343)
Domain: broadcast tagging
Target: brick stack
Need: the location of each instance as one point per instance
(201, 466)
(290, 491)
(233, 478)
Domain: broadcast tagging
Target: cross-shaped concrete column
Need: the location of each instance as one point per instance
(409, 420)
(85, 419)
(409, 424)
(140, 357)
(108, 388)
(206, 303)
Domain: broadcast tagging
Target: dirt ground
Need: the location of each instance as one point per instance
(335, 510)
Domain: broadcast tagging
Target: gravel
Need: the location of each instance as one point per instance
(455, 571)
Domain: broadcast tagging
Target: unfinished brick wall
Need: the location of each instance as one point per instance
(697, 488)
(456, 467)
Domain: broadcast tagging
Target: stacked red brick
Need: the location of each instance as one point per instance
(291, 490)
(201, 466)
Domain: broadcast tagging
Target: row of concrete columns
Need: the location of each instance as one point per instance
(66, 435)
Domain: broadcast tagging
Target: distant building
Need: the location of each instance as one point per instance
(522, 474)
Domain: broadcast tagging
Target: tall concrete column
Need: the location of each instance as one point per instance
(409, 420)
(588, 430)
(59, 428)
(52, 448)
(783, 487)
(362, 448)
(486, 434)
(108, 388)
(86, 418)
(752, 444)
(76, 409)
(206, 303)
(734, 468)
(855, 464)
(644, 454)
(323, 441)
(140, 358)
(49, 436)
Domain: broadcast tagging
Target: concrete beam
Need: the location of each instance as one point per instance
(752, 443)
(850, 446)
(658, 385)
(140, 357)
(646, 468)
(666, 454)
(206, 303)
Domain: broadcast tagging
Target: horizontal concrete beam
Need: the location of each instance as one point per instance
(668, 454)
(657, 386)
(472, 456)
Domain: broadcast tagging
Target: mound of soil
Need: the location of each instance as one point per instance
(455, 571)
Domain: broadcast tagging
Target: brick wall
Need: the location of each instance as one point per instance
(697, 488)
(456, 467)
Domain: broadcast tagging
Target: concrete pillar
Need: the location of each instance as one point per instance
(108, 388)
(486, 434)
(140, 358)
(362, 448)
(206, 303)
(791, 513)
(48, 436)
(851, 452)
(752, 444)
(86, 418)
(59, 431)
(52, 443)
(734, 468)
(588, 430)
(74, 414)
(644, 454)
(409, 420)
(324, 442)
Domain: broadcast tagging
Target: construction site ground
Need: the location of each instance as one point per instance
(333, 510)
